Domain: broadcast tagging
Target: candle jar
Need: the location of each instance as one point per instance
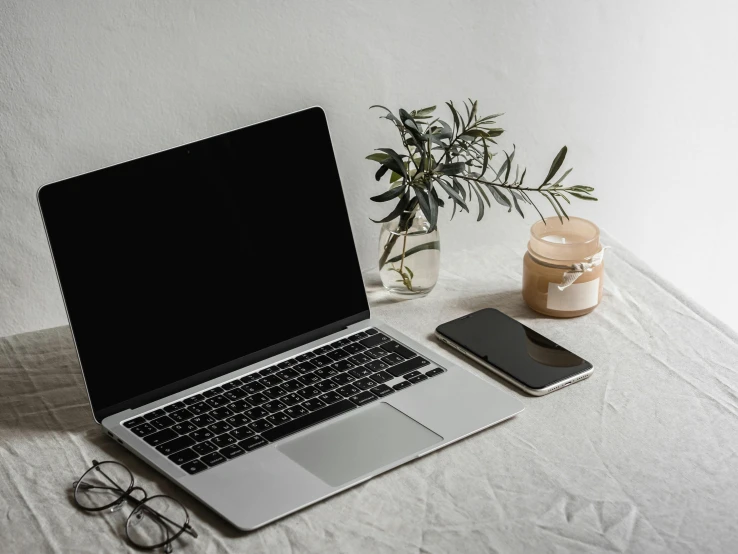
(563, 270)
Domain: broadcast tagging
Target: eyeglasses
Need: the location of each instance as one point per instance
(155, 521)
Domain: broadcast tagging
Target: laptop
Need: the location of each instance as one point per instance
(220, 318)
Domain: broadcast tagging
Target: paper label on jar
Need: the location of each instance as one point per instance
(578, 296)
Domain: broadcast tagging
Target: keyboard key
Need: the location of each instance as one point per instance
(220, 413)
(201, 435)
(202, 421)
(270, 381)
(232, 451)
(256, 413)
(285, 364)
(359, 359)
(354, 348)
(313, 418)
(326, 386)
(274, 406)
(364, 383)
(305, 367)
(296, 411)
(237, 420)
(160, 437)
(326, 372)
(238, 406)
(195, 466)
(291, 386)
(382, 377)
(252, 388)
(331, 397)
(215, 391)
(340, 342)
(371, 331)
(408, 365)
(170, 447)
(223, 440)
(376, 365)
(304, 357)
(417, 379)
(343, 379)
(376, 353)
(269, 371)
(382, 390)
(235, 394)
(183, 456)
(322, 350)
(229, 386)
(194, 399)
(337, 354)
(374, 340)
(313, 404)
(199, 408)
(363, 398)
(275, 392)
(249, 378)
(287, 374)
(184, 428)
(204, 448)
(393, 358)
(260, 426)
(155, 414)
(258, 398)
(181, 415)
(253, 443)
(359, 335)
(308, 392)
(359, 372)
(309, 379)
(217, 401)
(213, 459)
(242, 433)
(402, 385)
(220, 427)
(412, 374)
(342, 365)
(174, 407)
(143, 429)
(278, 419)
(133, 422)
(292, 399)
(434, 372)
(397, 348)
(348, 390)
(321, 361)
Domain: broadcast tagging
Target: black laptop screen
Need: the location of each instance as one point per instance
(182, 261)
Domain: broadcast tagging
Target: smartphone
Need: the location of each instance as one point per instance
(513, 351)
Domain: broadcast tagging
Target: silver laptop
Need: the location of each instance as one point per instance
(219, 314)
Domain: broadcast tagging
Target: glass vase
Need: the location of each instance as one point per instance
(409, 255)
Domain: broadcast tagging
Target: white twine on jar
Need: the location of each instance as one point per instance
(575, 271)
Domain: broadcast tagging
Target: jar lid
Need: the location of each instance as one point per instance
(575, 239)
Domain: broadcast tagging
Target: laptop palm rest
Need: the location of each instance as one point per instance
(359, 444)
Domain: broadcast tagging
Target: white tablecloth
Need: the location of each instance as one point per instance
(641, 457)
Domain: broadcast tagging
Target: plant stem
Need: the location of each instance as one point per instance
(404, 244)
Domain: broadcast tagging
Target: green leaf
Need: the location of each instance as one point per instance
(395, 177)
(500, 197)
(496, 132)
(377, 157)
(410, 123)
(558, 160)
(485, 162)
(380, 172)
(517, 206)
(434, 245)
(561, 208)
(477, 133)
(563, 176)
(459, 188)
(523, 177)
(581, 196)
(389, 194)
(452, 168)
(479, 202)
(399, 209)
(561, 219)
(446, 132)
(452, 193)
(396, 157)
(433, 203)
(473, 110)
(455, 114)
(389, 115)
(426, 111)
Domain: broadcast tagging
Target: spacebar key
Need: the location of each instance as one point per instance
(313, 418)
(409, 365)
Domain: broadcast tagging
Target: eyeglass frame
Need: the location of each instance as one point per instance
(128, 496)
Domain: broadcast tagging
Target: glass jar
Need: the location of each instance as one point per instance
(409, 255)
(563, 270)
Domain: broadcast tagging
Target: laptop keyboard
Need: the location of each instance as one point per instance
(239, 416)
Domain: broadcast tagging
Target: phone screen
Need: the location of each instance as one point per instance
(515, 349)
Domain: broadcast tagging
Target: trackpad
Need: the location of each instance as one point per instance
(359, 444)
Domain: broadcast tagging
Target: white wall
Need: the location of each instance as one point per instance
(643, 93)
